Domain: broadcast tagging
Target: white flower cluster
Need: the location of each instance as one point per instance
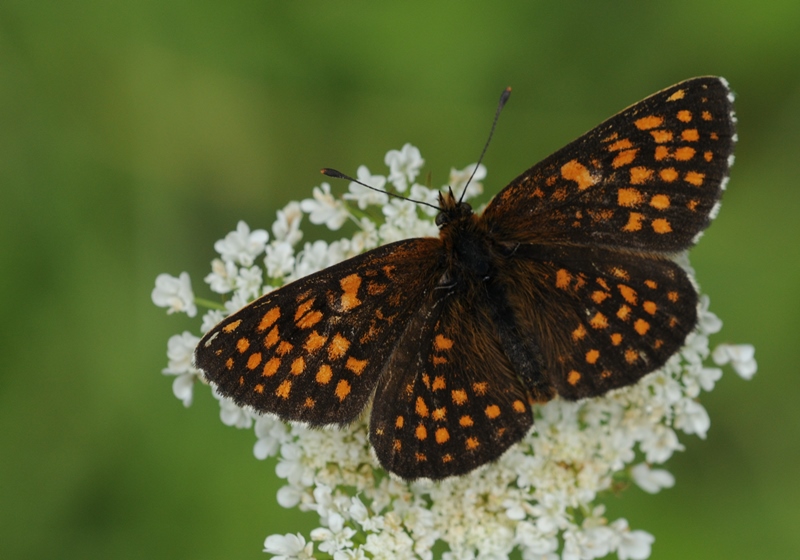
(539, 497)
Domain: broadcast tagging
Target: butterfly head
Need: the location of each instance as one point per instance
(451, 210)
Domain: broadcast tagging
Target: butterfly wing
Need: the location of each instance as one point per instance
(449, 400)
(607, 317)
(648, 178)
(312, 350)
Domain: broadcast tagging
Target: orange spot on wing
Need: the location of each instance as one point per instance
(573, 377)
(259, 389)
(574, 171)
(641, 326)
(314, 342)
(271, 367)
(298, 366)
(519, 406)
(492, 411)
(439, 413)
(640, 175)
(438, 383)
(309, 320)
(624, 312)
(623, 144)
(646, 123)
(242, 345)
(668, 174)
(677, 95)
(661, 225)
(254, 360)
(442, 435)
(690, 135)
(624, 158)
(398, 423)
(631, 355)
(694, 178)
(303, 308)
(579, 333)
(342, 389)
(661, 136)
(562, 279)
(706, 116)
(616, 339)
(659, 201)
(592, 356)
(634, 222)
(324, 374)
(269, 319)
(472, 443)
(598, 296)
(684, 115)
(459, 396)
(629, 197)
(230, 327)
(662, 152)
(356, 366)
(350, 285)
(684, 153)
(465, 421)
(441, 342)
(421, 433)
(599, 321)
(284, 348)
(672, 296)
(480, 388)
(620, 273)
(650, 307)
(628, 293)
(272, 337)
(283, 389)
(421, 408)
(338, 347)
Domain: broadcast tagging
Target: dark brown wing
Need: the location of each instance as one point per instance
(449, 400)
(602, 318)
(648, 178)
(313, 350)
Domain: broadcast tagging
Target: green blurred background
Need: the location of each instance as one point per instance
(135, 134)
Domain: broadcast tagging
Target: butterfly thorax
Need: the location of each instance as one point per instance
(468, 248)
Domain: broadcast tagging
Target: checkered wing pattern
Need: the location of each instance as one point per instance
(602, 318)
(648, 178)
(450, 399)
(313, 350)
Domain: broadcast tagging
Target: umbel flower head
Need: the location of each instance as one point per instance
(540, 498)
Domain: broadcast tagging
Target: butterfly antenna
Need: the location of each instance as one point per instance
(339, 175)
(503, 98)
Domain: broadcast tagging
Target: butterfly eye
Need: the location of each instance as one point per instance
(442, 219)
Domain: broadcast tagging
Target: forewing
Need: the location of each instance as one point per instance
(312, 351)
(602, 318)
(647, 178)
(449, 400)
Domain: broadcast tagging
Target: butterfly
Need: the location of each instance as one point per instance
(564, 285)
